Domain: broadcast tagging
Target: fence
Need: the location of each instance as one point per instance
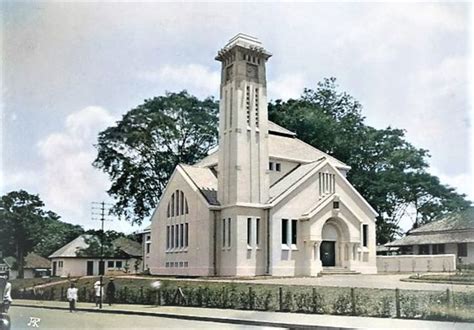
(319, 300)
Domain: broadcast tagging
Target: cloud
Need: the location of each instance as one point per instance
(195, 78)
(286, 86)
(69, 183)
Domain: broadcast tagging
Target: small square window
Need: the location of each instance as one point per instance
(335, 205)
(186, 264)
(118, 264)
(270, 166)
(167, 265)
(181, 264)
(110, 264)
(278, 167)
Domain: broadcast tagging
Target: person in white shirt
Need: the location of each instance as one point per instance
(72, 297)
(98, 290)
(7, 296)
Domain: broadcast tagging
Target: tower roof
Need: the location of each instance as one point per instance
(243, 41)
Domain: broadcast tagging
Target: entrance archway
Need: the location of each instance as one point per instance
(327, 250)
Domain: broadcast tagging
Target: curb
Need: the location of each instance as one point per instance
(190, 317)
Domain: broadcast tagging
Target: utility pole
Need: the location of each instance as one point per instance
(98, 213)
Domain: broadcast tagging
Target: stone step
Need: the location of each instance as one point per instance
(338, 271)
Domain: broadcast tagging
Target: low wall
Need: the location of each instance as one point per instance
(416, 263)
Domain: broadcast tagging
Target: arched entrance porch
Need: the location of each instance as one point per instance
(333, 249)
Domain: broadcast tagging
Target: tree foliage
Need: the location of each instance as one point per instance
(141, 151)
(95, 239)
(26, 226)
(386, 169)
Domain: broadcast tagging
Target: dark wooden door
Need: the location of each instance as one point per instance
(54, 268)
(328, 253)
(90, 268)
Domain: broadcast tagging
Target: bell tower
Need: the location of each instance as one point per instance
(243, 123)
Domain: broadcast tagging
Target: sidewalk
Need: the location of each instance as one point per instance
(256, 318)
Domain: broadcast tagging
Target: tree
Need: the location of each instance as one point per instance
(387, 170)
(22, 224)
(55, 235)
(141, 151)
(94, 240)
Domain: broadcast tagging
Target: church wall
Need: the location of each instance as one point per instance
(197, 258)
(241, 258)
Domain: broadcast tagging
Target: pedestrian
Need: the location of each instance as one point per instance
(111, 292)
(99, 292)
(7, 295)
(72, 297)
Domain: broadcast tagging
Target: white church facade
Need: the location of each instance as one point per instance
(264, 203)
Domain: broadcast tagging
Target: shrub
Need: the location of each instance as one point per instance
(343, 305)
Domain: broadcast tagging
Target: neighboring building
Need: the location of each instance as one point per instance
(451, 234)
(146, 247)
(66, 262)
(383, 250)
(265, 202)
(35, 266)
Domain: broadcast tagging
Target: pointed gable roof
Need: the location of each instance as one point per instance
(70, 249)
(205, 180)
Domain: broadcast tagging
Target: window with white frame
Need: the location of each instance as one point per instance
(327, 183)
(289, 233)
(249, 231)
(226, 232)
(257, 231)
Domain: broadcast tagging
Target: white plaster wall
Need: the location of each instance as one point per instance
(199, 253)
(416, 263)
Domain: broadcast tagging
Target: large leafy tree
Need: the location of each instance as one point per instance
(24, 223)
(56, 234)
(141, 151)
(386, 169)
(100, 243)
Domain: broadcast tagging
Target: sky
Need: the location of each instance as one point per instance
(71, 69)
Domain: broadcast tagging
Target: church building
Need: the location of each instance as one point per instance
(264, 203)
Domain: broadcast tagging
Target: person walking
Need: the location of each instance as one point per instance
(7, 295)
(111, 292)
(72, 297)
(99, 292)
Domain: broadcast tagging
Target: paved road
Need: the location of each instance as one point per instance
(58, 319)
(360, 281)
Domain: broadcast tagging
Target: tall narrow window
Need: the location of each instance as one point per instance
(270, 166)
(181, 203)
(249, 231)
(186, 234)
(365, 235)
(229, 231)
(181, 235)
(177, 202)
(294, 231)
(284, 231)
(172, 237)
(176, 236)
(231, 106)
(256, 107)
(167, 237)
(224, 232)
(186, 209)
(172, 205)
(247, 103)
(168, 211)
(257, 231)
(278, 167)
(225, 110)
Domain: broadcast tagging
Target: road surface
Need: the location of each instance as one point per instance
(26, 318)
